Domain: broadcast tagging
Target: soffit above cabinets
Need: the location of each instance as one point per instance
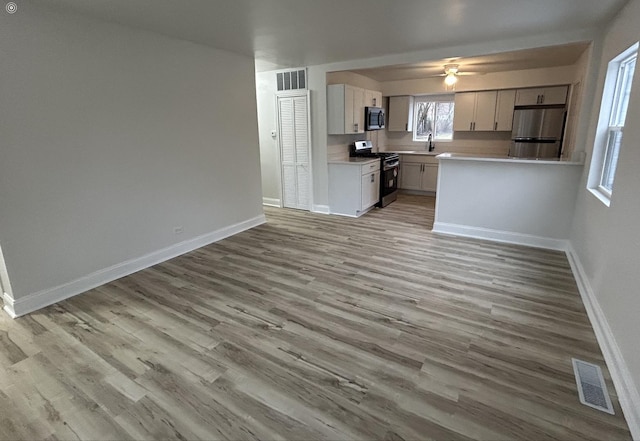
(551, 56)
(292, 33)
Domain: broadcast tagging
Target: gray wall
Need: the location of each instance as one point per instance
(111, 137)
(607, 239)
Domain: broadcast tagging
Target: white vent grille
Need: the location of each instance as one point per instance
(592, 389)
(295, 79)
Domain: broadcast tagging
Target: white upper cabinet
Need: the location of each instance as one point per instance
(504, 110)
(345, 109)
(484, 111)
(475, 111)
(400, 117)
(542, 95)
(464, 111)
(372, 98)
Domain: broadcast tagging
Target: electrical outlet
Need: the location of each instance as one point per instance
(178, 230)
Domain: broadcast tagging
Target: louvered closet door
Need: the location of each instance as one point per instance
(294, 151)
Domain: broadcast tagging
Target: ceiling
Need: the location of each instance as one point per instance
(288, 33)
(562, 55)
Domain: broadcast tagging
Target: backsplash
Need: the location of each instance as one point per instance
(479, 143)
(338, 145)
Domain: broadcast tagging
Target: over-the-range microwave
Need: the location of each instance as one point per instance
(373, 118)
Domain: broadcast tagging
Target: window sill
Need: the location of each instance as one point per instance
(605, 199)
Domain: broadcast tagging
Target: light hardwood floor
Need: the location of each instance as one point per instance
(314, 327)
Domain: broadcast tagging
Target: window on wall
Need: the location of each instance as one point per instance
(613, 112)
(433, 115)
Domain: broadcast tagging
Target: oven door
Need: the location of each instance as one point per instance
(388, 184)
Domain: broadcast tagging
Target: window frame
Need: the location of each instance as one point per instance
(610, 133)
(446, 98)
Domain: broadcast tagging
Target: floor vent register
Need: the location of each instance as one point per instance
(591, 386)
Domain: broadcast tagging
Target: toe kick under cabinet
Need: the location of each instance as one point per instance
(354, 186)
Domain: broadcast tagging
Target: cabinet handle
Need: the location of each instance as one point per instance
(356, 126)
(373, 178)
(406, 127)
(495, 125)
(374, 102)
(470, 126)
(541, 99)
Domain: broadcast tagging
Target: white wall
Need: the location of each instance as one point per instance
(607, 239)
(111, 137)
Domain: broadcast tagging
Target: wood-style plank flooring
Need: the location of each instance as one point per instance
(314, 327)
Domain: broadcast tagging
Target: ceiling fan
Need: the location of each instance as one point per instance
(451, 73)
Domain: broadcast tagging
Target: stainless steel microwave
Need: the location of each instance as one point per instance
(373, 118)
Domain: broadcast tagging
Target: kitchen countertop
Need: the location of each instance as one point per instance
(413, 152)
(356, 160)
(505, 159)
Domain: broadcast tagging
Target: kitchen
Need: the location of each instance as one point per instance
(487, 91)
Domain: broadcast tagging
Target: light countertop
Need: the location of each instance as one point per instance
(413, 152)
(356, 160)
(505, 159)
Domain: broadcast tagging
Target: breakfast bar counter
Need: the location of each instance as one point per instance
(506, 199)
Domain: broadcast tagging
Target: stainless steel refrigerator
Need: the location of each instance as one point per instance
(537, 132)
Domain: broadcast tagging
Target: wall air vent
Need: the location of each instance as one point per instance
(592, 389)
(294, 79)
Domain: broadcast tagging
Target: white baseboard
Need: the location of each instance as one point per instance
(271, 202)
(627, 390)
(322, 209)
(35, 301)
(500, 236)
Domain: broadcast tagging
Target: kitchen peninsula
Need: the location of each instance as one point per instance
(519, 201)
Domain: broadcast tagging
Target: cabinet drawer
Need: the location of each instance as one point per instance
(371, 167)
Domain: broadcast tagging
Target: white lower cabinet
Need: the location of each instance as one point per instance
(419, 173)
(354, 187)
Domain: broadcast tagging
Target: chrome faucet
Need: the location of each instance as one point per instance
(431, 146)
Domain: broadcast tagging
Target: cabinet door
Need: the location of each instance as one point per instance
(335, 109)
(370, 189)
(400, 114)
(430, 177)
(372, 98)
(485, 111)
(554, 95)
(358, 109)
(349, 110)
(410, 175)
(528, 97)
(377, 99)
(504, 110)
(465, 108)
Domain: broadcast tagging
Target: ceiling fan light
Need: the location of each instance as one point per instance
(450, 79)
(451, 68)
